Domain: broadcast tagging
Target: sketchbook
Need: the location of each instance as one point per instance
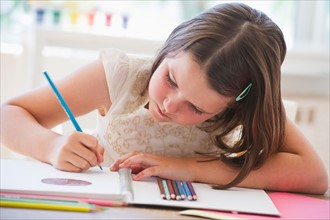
(34, 177)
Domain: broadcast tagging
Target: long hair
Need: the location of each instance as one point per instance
(236, 45)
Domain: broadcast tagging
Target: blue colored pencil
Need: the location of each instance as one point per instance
(64, 105)
(181, 190)
(186, 189)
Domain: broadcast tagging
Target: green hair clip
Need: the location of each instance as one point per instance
(244, 93)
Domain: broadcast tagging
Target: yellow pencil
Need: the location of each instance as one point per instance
(83, 207)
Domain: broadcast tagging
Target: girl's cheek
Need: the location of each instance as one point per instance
(157, 86)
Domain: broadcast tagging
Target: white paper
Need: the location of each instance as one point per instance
(21, 176)
(18, 176)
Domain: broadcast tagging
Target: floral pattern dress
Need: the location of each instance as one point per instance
(128, 126)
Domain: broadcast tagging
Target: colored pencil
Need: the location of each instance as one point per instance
(187, 191)
(176, 190)
(49, 205)
(167, 192)
(181, 190)
(64, 105)
(170, 188)
(107, 203)
(192, 191)
(99, 202)
(161, 188)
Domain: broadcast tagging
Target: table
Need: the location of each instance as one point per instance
(133, 212)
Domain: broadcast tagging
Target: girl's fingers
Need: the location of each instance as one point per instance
(151, 171)
(99, 154)
(67, 166)
(142, 159)
(156, 165)
(92, 144)
(115, 165)
(76, 152)
(85, 154)
(72, 163)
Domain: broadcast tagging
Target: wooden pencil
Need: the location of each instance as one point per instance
(161, 188)
(181, 190)
(170, 188)
(99, 202)
(176, 190)
(49, 205)
(167, 192)
(187, 191)
(192, 191)
(64, 105)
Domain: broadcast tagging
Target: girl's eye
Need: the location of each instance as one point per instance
(172, 84)
(170, 81)
(196, 110)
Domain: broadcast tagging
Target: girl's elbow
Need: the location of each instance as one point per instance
(323, 184)
(319, 182)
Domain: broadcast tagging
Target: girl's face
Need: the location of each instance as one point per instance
(179, 92)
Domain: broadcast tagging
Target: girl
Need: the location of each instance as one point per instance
(208, 109)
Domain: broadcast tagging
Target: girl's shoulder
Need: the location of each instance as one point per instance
(127, 75)
(126, 65)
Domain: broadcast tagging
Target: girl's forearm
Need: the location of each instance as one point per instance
(291, 172)
(21, 133)
(282, 172)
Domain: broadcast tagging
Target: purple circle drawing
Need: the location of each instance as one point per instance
(65, 182)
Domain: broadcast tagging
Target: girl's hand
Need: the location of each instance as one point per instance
(76, 152)
(145, 165)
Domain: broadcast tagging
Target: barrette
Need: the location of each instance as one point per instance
(244, 93)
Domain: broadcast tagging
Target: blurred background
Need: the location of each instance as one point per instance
(60, 36)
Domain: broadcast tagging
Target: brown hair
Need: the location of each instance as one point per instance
(237, 45)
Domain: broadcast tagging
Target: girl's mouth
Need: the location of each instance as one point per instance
(161, 112)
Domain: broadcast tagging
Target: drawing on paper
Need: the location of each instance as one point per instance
(65, 181)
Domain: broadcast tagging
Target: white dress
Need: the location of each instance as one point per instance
(128, 126)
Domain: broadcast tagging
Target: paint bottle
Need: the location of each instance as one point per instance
(56, 17)
(40, 16)
(91, 17)
(108, 17)
(74, 15)
(125, 21)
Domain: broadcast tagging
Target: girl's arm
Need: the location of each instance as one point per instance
(296, 168)
(26, 120)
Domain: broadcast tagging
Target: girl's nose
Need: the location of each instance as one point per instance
(170, 104)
